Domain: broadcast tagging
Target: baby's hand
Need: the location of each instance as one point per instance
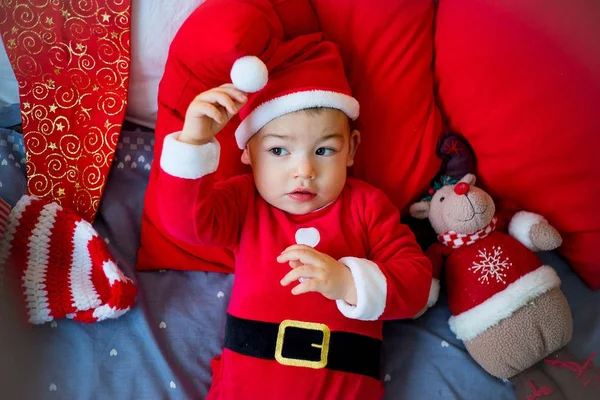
(208, 113)
(322, 274)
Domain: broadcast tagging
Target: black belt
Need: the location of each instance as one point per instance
(304, 344)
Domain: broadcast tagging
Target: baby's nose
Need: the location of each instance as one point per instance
(462, 188)
(305, 170)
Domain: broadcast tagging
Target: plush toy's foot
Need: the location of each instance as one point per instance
(529, 335)
(559, 376)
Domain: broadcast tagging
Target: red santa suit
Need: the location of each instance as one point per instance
(489, 274)
(278, 345)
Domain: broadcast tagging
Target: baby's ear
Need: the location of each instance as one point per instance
(246, 156)
(354, 143)
(420, 210)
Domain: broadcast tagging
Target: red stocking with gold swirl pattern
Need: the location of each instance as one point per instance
(71, 59)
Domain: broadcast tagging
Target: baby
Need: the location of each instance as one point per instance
(321, 259)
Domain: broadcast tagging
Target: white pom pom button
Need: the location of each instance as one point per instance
(249, 74)
(308, 236)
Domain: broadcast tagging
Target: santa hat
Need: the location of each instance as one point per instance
(62, 266)
(306, 72)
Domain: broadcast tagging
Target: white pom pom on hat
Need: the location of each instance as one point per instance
(249, 74)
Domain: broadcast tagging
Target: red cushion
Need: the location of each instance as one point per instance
(520, 80)
(387, 49)
(389, 68)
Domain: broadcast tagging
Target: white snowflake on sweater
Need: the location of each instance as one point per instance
(491, 265)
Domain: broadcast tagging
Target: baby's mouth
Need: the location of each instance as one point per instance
(301, 195)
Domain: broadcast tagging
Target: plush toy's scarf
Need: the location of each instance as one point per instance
(456, 240)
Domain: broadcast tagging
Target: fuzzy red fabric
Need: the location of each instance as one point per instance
(519, 80)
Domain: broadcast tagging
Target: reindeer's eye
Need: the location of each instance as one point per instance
(442, 199)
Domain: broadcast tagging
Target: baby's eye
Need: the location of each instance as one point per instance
(325, 151)
(279, 151)
(442, 199)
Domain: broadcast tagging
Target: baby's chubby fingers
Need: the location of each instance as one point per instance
(304, 271)
(295, 264)
(310, 285)
(205, 109)
(234, 93)
(217, 97)
(304, 254)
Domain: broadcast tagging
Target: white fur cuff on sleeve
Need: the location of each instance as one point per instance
(371, 290)
(520, 226)
(189, 161)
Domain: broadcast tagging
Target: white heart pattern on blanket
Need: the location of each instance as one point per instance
(387, 378)
(127, 158)
(53, 324)
(52, 387)
(11, 157)
(173, 385)
(133, 165)
(445, 344)
(147, 167)
(220, 294)
(141, 159)
(121, 165)
(4, 162)
(162, 325)
(113, 353)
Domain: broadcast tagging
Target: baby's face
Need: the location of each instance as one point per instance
(299, 160)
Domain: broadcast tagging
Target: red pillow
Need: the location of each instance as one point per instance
(519, 79)
(387, 48)
(389, 68)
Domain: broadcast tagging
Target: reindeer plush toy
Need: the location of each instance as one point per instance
(507, 307)
(496, 285)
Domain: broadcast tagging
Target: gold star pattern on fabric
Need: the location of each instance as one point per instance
(58, 52)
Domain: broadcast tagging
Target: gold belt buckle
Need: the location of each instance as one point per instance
(324, 346)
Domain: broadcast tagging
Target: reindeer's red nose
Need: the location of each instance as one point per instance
(461, 188)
